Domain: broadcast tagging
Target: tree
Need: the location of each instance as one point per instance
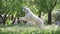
(52, 5)
(48, 6)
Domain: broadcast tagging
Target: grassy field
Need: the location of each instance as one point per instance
(27, 29)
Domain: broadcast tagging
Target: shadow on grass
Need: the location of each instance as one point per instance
(20, 25)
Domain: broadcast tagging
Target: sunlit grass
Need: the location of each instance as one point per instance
(28, 29)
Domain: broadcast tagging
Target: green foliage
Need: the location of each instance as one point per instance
(14, 7)
(8, 22)
(56, 15)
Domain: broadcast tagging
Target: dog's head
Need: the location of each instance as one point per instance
(26, 10)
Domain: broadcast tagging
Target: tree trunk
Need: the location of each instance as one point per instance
(18, 20)
(39, 13)
(49, 17)
(4, 19)
(1, 22)
(13, 21)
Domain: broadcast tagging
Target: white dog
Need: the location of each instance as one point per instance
(33, 18)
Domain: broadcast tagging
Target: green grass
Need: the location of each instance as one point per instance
(25, 29)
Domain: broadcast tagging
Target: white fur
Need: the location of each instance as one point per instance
(33, 18)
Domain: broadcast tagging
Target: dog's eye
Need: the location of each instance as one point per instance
(24, 9)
